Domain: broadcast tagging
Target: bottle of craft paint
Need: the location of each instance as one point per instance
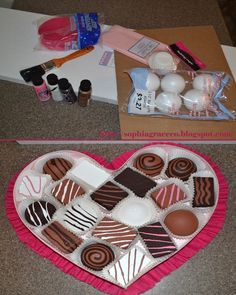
(67, 91)
(52, 81)
(84, 93)
(40, 88)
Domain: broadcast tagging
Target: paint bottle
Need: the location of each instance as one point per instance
(40, 88)
(67, 91)
(52, 82)
(84, 93)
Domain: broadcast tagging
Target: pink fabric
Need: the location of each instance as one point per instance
(148, 280)
(123, 39)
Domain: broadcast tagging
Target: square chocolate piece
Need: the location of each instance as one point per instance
(203, 192)
(66, 191)
(168, 195)
(129, 266)
(157, 240)
(114, 232)
(135, 181)
(108, 195)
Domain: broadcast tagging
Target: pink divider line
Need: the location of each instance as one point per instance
(148, 280)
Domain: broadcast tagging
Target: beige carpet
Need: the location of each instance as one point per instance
(139, 14)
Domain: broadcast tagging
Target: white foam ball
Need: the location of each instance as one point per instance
(173, 83)
(196, 100)
(204, 82)
(152, 82)
(168, 102)
(161, 61)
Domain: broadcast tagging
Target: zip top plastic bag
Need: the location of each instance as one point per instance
(190, 95)
(70, 32)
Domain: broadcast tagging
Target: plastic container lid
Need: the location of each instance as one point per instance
(85, 85)
(52, 79)
(63, 84)
(37, 80)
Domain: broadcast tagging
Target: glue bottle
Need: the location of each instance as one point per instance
(84, 93)
(67, 91)
(53, 86)
(40, 88)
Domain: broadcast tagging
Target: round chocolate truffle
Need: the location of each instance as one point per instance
(181, 168)
(39, 213)
(149, 163)
(56, 168)
(181, 222)
(97, 256)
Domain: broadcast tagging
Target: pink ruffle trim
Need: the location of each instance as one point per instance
(148, 280)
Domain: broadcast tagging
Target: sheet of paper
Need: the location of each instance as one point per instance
(230, 54)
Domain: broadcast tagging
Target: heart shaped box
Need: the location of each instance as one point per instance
(143, 251)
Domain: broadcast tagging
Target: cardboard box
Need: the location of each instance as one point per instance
(203, 42)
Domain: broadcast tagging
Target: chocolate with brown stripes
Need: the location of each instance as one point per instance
(56, 168)
(203, 192)
(109, 195)
(61, 238)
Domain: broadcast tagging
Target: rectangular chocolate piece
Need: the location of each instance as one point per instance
(114, 232)
(157, 240)
(61, 238)
(203, 192)
(135, 181)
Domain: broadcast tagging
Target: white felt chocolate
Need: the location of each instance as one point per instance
(33, 185)
(134, 211)
(129, 266)
(89, 173)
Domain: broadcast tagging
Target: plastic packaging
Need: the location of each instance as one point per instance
(40, 88)
(180, 94)
(69, 32)
(52, 81)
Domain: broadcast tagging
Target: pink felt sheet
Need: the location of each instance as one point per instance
(148, 280)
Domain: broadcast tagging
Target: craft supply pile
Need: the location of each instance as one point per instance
(173, 85)
(117, 224)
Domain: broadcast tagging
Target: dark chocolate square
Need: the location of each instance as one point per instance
(109, 195)
(156, 240)
(135, 181)
(203, 192)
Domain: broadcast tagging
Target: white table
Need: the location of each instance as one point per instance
(18, 38)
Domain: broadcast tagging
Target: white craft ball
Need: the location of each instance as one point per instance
(152, 82)
(167, 102)
(161, 61)
(173, 83)
(196, 100)
(204, 82)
